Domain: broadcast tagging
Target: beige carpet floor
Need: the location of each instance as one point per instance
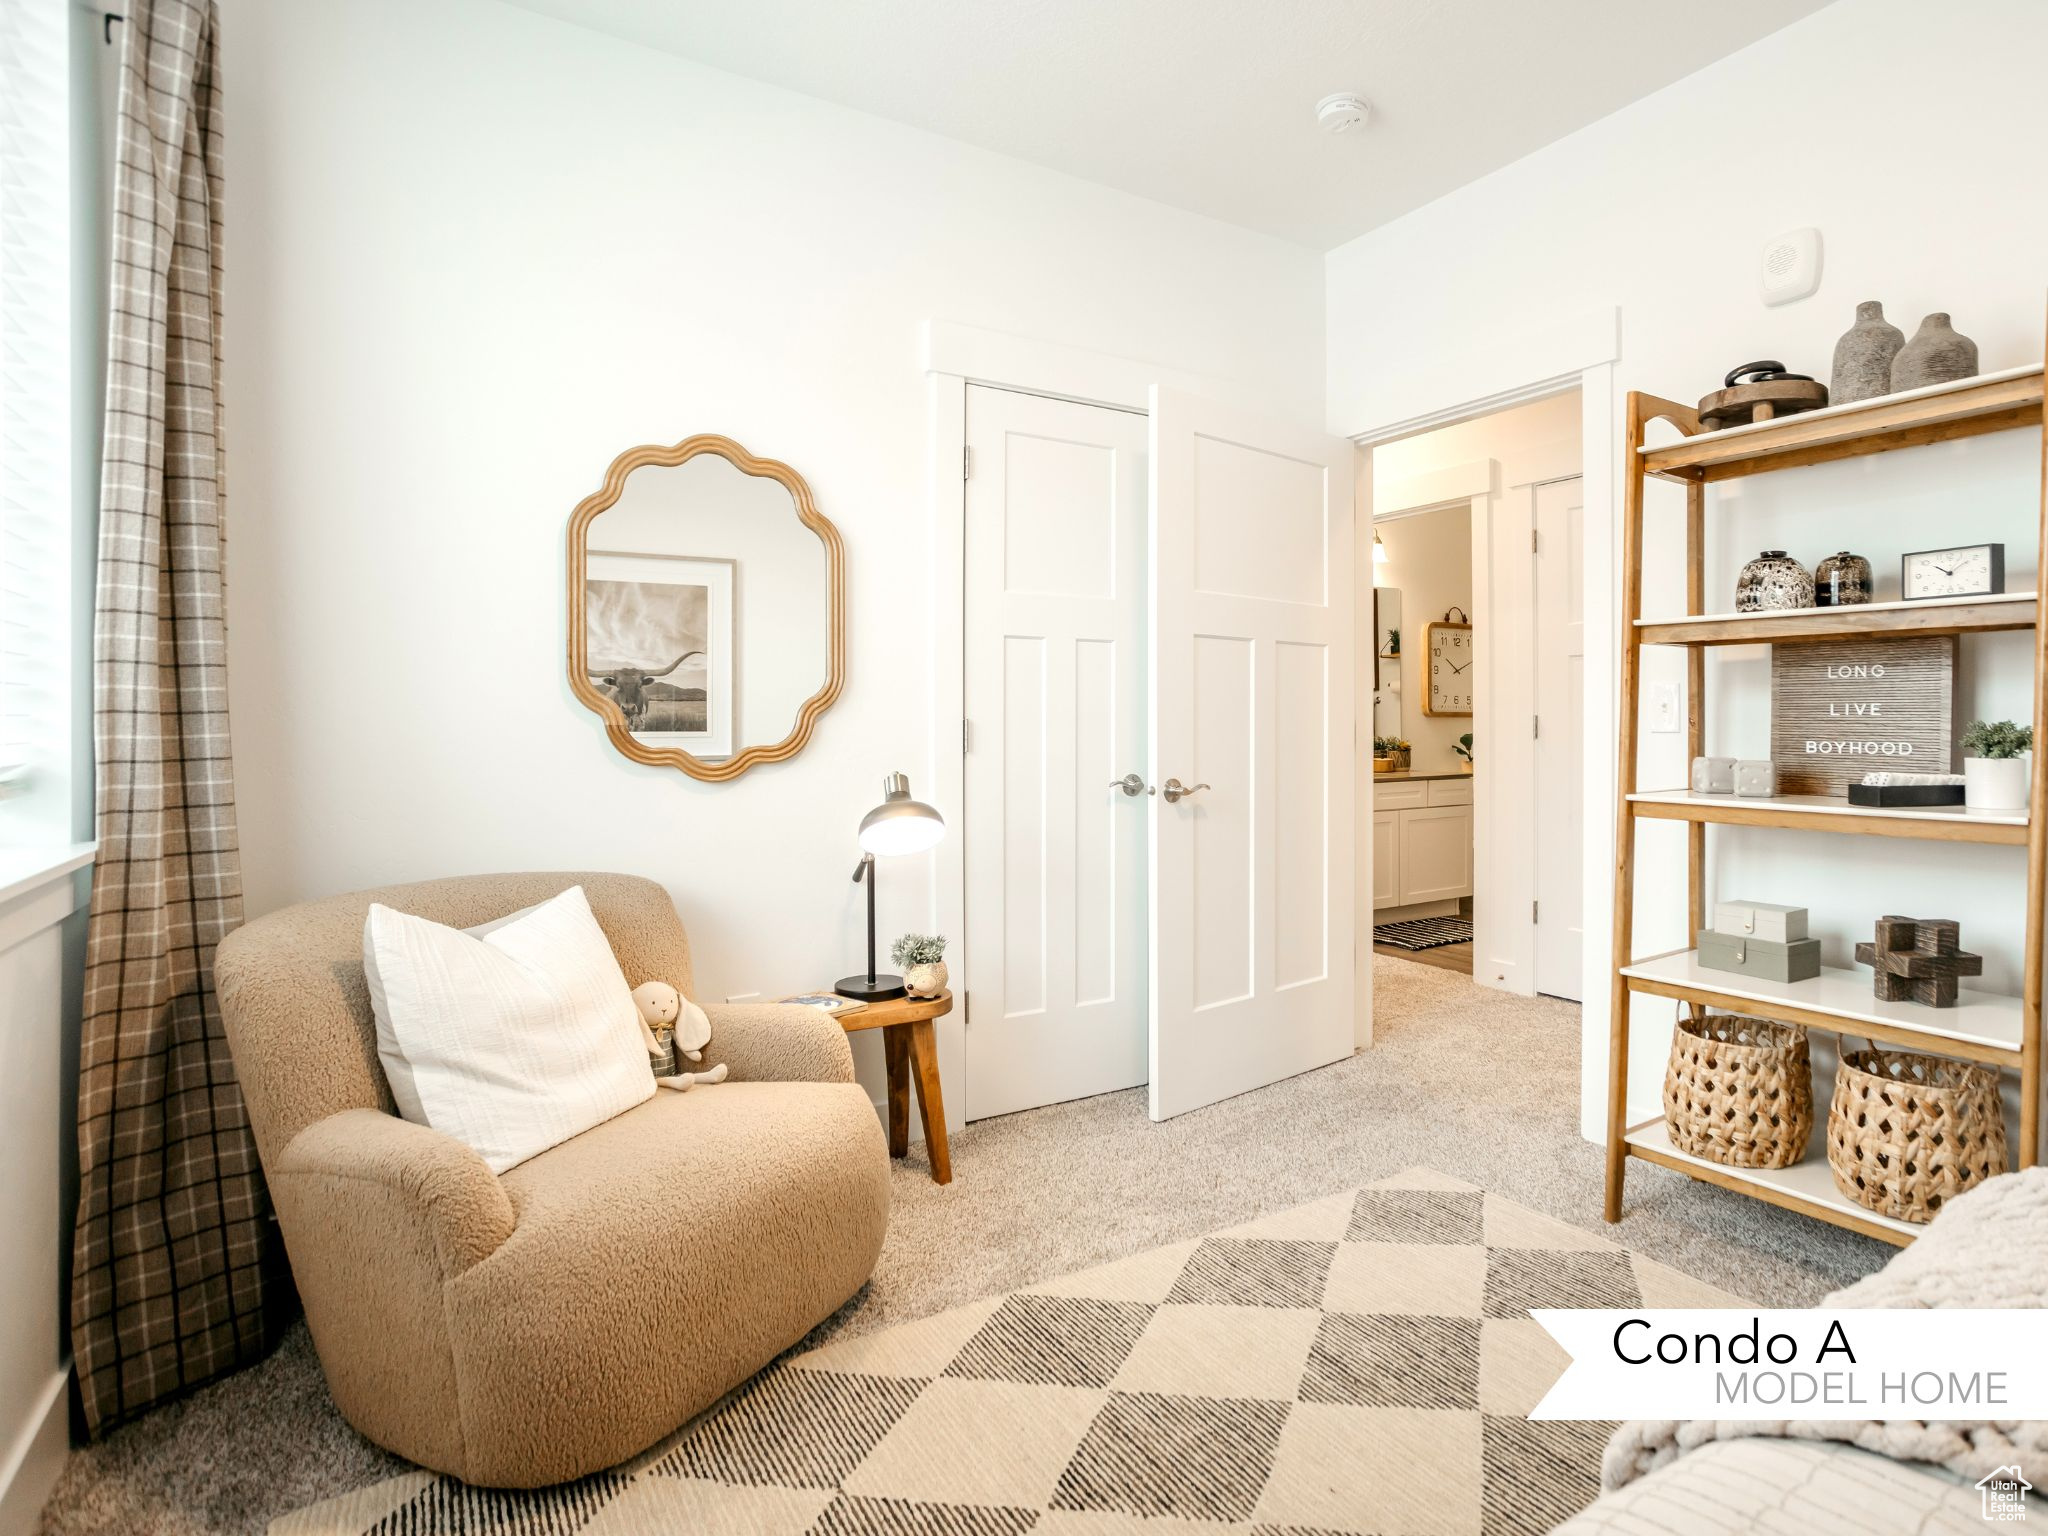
(1475, 1083)
(1362, 1364)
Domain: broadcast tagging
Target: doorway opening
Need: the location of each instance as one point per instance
(1477, 698)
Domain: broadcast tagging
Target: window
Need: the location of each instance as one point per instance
(36, 644)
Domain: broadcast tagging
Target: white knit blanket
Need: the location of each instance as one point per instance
(1988, 1249)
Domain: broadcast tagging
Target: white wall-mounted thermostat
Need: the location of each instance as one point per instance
(1791, 266)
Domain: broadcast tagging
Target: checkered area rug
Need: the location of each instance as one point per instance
(1423, 932)
(1365, 1363)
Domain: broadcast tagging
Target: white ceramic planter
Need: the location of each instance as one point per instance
(1995, 783)
(925, 980)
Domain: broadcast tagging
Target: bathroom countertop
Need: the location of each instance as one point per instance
(1417, 776)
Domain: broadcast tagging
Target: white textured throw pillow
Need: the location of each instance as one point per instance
(513, 1041)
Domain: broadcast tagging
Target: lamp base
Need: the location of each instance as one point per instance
(875, 989)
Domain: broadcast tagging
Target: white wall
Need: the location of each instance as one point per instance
(1927, 198)
(473, 254)
(1503, 454)
(41, 963)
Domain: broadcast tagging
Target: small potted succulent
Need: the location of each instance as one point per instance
(1995, 767)
(922, 959)
(1398, 749)
(1463, 747)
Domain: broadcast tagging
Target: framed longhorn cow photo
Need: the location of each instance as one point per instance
(658, 642)
(683, 668)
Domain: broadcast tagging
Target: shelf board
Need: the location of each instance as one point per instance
(1808, 1186)
(1990, 402)
(1983, 1026)
(1831, 813)
(1865, 621)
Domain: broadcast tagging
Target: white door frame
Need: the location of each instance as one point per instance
(1581, 352)
(956, 355)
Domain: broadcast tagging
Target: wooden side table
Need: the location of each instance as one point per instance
(907, 1045)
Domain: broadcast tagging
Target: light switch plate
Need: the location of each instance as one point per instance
(1664, 708)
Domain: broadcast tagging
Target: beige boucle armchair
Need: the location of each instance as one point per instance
(527, 1328)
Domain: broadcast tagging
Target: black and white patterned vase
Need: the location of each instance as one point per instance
(1773, 580)
(1841, 581)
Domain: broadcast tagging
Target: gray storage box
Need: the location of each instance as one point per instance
(1760, 920)
(1761, 958)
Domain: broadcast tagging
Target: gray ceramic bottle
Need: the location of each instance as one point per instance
(1935, 355)
(1863, 357)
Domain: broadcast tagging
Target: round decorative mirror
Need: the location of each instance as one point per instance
(706, 608)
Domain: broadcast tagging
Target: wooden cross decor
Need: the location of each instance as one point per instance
(1916, 960)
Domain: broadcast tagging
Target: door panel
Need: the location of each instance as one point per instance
(1055, 679)
(1436, 854)
(1560, 668)
(1386, 859)
(1252, 698)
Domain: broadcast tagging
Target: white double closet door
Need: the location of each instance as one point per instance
(1155, 598)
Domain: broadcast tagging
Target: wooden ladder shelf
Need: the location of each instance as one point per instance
(2004, 1032)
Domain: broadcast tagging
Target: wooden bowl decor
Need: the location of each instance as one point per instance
(1739, 1091)
(1907, 1133)
(1760, 391)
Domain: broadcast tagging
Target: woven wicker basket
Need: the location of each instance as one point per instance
(1907, 1133)
(1739, 1091)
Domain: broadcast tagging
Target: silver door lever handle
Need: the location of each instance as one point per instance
(1131, 784)
(1174, 790)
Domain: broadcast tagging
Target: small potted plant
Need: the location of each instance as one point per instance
(922, 959)
(1463, 747)
(1383, 754)
(1995, 767)
(1393, 642)
(1398, 749)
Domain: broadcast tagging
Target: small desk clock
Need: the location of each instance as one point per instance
(1967, 570)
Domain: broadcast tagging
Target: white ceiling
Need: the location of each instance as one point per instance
(1209, 104)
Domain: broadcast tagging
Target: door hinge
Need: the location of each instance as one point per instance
(1535, 911)
(966, 1007)
(966, 736)
(1532, 541)
(1535, 726)
(966, 463)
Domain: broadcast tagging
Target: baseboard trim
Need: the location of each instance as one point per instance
(36, 1460)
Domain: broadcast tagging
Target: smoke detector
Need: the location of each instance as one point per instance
(1343, 112)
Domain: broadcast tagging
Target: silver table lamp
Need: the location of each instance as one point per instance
(898, 825)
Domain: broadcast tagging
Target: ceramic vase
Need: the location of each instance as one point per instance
(1995, 783)
(1863, 357)
(1841, 581)
(1935, 355)
(925, 980)
(1773, 580)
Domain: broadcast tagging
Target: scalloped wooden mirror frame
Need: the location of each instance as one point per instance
(606, 708)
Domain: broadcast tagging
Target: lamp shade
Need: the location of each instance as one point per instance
(900, 824)
(1379, 551)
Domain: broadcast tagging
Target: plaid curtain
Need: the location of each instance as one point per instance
(173, 1255)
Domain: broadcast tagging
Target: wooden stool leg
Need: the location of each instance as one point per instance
(931, 1107)
(896, 1053)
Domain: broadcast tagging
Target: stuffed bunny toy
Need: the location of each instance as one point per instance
(663, 1007)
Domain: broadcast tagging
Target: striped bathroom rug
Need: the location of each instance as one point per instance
(1364, 1363)
(1424, 932)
